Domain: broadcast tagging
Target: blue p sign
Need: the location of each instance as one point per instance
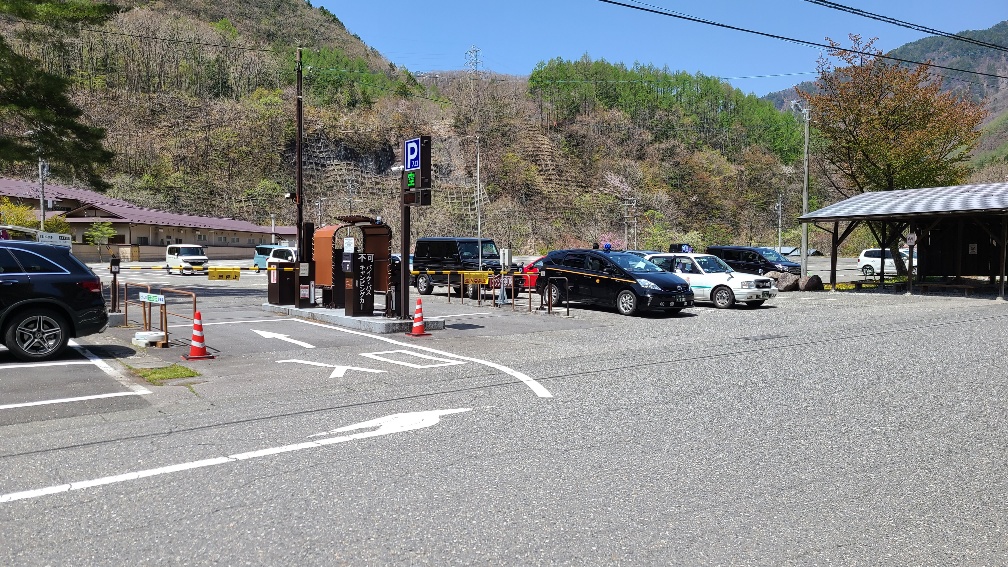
(411, 154)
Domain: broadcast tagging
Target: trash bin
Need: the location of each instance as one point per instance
(281, 286)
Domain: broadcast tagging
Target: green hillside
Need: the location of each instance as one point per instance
(198, 102)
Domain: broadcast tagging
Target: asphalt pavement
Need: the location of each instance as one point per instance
(860, 427)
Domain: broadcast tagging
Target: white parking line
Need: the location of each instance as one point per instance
(92, 359)
(437, 361)
(533, 385)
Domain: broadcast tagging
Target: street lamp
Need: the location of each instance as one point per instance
(804, 234)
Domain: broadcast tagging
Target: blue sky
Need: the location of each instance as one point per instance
(514, 35)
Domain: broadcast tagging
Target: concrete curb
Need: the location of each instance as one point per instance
(374, 324)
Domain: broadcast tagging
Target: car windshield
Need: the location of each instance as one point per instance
(191, 251)
(472, 250)
(713, 265)
(772, 255)
(633, 263)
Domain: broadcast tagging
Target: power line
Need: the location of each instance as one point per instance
(662, 12)
(909, 25)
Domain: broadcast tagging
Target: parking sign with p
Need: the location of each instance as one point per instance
(411, 154)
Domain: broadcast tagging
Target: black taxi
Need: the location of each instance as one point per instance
(611, 278)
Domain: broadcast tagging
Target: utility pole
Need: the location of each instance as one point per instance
(43, 172)
(299, 195)
(804, 230)
(780, 220)
(472, 57)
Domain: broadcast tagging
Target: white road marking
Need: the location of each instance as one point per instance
(92, 359)
(107, 369)
(440, 361)
(535, 386)
(282, 337)
(68, 400)
(205, 324)
(23, 365)
(439, 317)
(395, 423)
(338, 371)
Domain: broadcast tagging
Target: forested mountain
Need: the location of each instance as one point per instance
(198, 101)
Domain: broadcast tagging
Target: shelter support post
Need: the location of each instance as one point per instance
(833, 255)
(1004, 252)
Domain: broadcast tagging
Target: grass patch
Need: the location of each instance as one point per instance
(158, 376)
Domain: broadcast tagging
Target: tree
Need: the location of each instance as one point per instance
(98, 234)
(885, 126)
(38, 119)
(14, 214)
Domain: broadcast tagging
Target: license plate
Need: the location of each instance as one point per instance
(677, 298)
(766, 294)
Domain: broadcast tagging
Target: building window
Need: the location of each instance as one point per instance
(235, 240)
(222, 239)
(201, 238)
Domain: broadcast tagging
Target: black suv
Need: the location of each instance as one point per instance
(47, 297)
(754, 259)
(623, 279)
(440, 258)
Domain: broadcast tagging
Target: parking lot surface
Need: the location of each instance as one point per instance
(849, 427)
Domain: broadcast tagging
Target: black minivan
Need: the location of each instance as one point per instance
(438, 258)
(754, 259)
(620, 279)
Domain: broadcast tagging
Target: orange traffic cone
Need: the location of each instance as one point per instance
(418, 324)
(198, 349)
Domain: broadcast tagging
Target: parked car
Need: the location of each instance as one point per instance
(532, 269)
(48, 297)
(262, 254)
(711, 279)
(440, 258)
(184, 258)
(754, 259)
(620, 279)
(870, 261)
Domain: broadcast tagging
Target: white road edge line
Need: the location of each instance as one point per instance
(535, 386)
(68, 400)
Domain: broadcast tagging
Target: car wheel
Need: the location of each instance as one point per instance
(168, 268)
(868, 271)
(626, 302)
(722, 297)
(424, 286)
(37, 334)
(472, 291)
(554, 297)
(258, 269)
(756, 303)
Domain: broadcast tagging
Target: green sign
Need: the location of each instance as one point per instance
(411, 179)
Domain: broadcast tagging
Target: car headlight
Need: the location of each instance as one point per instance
(648, 284)
(748, 285)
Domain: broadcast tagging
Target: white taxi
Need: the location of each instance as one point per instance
(713, 280)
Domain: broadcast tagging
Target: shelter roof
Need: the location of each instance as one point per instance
(990, 198)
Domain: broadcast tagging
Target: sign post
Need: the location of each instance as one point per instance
(415, 185)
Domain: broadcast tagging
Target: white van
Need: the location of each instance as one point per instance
(186, 258)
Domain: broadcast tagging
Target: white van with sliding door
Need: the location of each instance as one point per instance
(186, 258)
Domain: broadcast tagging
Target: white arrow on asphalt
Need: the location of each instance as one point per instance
(282, 337)
(395, 423)
(338, 371)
